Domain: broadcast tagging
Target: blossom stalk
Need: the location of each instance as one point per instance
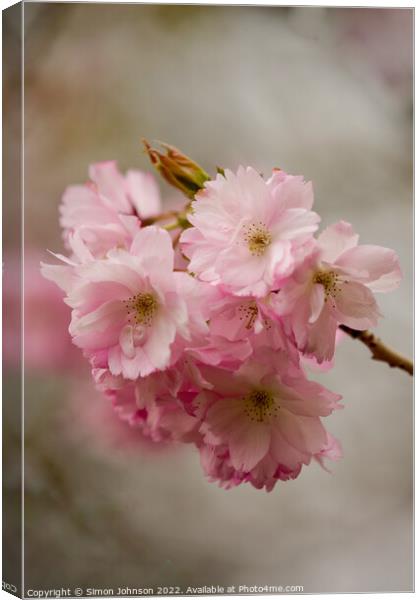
(380, 351)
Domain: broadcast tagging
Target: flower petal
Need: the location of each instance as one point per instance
(248, 444)
(160, 253)
(157, 345)
(107, 315)
(356, 307)
(286, 454)
(144, 193)
(317, 301)
(306, 434)
(375, 266)
(223, 416)
(291, 191)
(110, 184)
(336, 239)
(322, 335)
(127, 341)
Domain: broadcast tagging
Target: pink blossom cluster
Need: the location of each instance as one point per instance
(213, 352)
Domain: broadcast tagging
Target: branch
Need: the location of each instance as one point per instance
(379, 350)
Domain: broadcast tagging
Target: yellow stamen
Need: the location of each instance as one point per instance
(329, 280)
(260, 405)
(141, 309)
(258, 238)
(249, 312)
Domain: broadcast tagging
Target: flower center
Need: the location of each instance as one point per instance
(260, 405)
(258, 238)
(249, 313)
(141, 309)
(329, 280)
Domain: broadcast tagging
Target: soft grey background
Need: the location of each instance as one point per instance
(322, 92)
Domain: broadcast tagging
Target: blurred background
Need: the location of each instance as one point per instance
(322, 92)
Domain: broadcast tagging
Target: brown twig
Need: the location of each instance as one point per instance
(379, 351)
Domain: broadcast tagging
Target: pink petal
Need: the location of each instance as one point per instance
(291, 191)
(306, 434)
(307, 398)
(286, 454)
(332, 450)
(94, 341)
(61, 275)
(144, 193)
(177, 422)
(336, 239)
(224, 382)
(114, 360)
(317, 301)
(248, 444)
(240, 267)
(137, 366)
(89, 296)
(295, 223)
(223, 416)
(176, 311)
(322, 335)
(157, 242)
(356, 307)
(281, 261)
(110, 184)
(127, 341)
(377, 267)
(101, 270)
(107, 315)
(157, 346)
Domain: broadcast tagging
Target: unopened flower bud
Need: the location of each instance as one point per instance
(177, 168)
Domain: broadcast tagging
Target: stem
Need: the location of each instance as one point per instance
(379, 350)
(161, 217)
(171, 226)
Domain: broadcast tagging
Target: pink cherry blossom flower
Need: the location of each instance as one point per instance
(150, 404)
(333, 286)
(218, 468)
(129, 307)
(238, 325)
(249, 318)
(248, 233)
(265, 409)
(106, 211)
(237, 318)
